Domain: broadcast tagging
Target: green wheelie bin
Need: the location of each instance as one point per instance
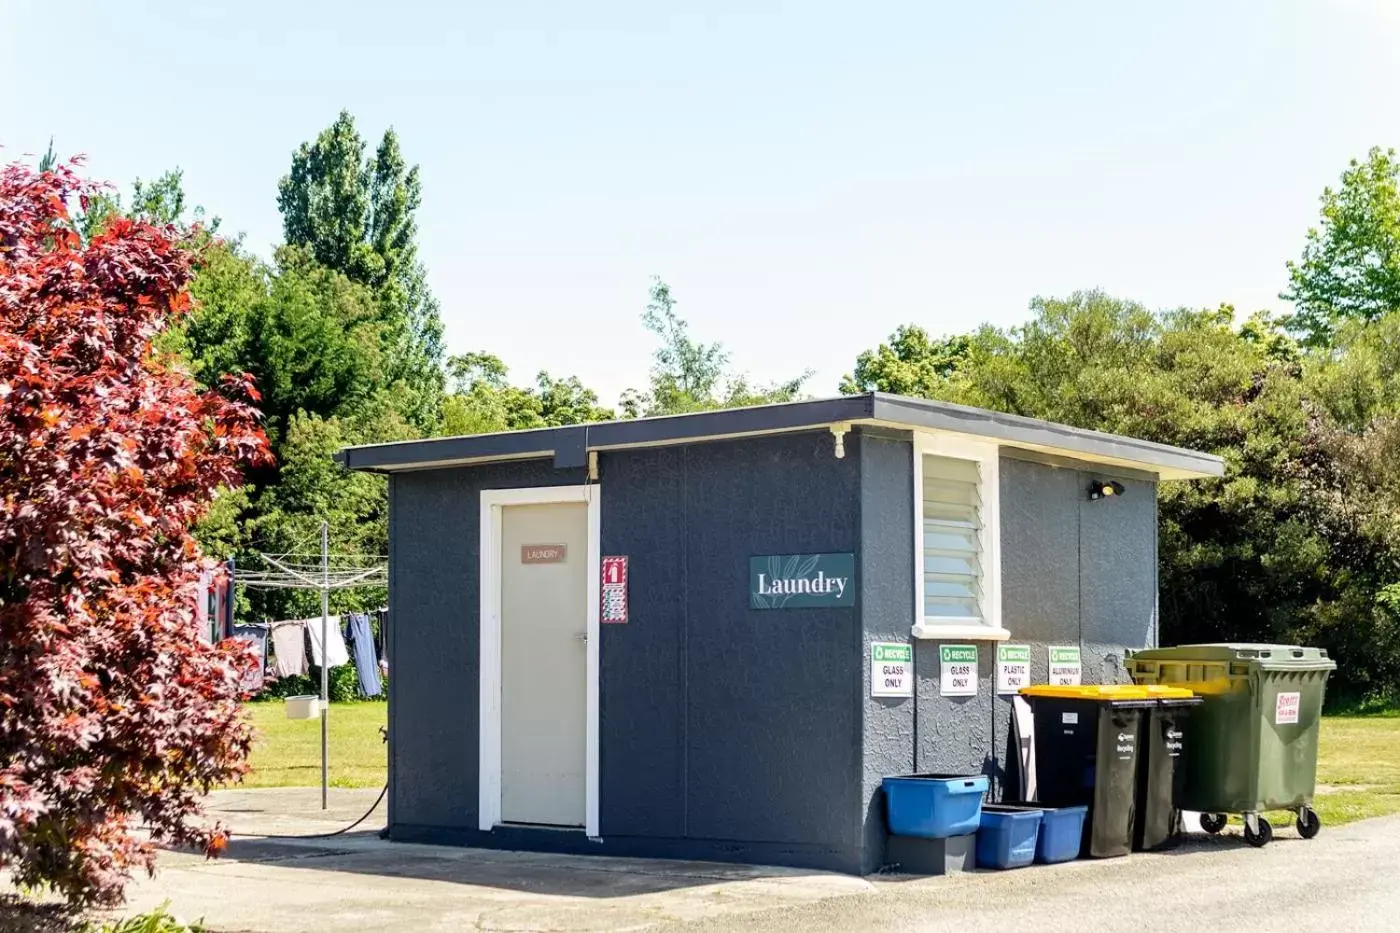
(1252, 744)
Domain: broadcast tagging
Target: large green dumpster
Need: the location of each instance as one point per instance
(1252, 745)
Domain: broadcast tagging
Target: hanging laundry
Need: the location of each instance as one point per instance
(362, 639)
(383, 643)
(336, 654)
(201, 604)
(255, 636)
(222, 607)
(289, 648)
(381, 636)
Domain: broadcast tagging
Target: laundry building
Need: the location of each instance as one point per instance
(711, 635)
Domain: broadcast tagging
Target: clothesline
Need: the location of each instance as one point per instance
(270, 624)
(291, 636)
(323, 572)
(314, 579)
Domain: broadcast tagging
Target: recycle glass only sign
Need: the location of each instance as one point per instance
(891, 669)
(957, 674)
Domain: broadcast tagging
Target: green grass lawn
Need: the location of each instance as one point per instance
(1358, 770)
(1359, 756)
(287, 752)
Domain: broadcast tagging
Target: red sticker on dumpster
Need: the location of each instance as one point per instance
(1286, 708)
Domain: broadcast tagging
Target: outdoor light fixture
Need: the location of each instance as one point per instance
(838, 431)
(1102, 489)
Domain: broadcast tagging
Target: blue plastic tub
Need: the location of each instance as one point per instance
(1061, 834)
(1006, 836)
(934, 806)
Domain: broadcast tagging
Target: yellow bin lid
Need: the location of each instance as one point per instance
(1162, 692)
(1107, 692)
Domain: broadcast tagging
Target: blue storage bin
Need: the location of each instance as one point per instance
(1061, 834)
(934, 806)
(1006, 836)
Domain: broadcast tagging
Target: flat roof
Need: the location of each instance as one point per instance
(871, 408)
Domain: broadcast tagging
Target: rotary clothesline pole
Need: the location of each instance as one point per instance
(325, 660)
(291, 573)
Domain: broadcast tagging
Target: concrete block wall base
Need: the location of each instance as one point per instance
(911, 855)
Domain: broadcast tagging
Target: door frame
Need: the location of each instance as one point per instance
(489, 756)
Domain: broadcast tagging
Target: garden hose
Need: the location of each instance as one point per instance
(339, 832)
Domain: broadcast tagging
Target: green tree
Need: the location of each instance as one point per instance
(910, 364)
(317, 343)
(1350, 267)
(356, 215)
(483, 400)
(161, 202)
(229, 284)
(690, 375)
(1277, 549)
(313, 488)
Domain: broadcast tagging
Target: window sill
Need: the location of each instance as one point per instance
(969, 631)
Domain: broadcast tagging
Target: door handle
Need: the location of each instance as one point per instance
(581, 636)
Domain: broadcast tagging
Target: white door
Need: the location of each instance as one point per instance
(544, 656)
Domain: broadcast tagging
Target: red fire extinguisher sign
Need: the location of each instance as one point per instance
(614, 590)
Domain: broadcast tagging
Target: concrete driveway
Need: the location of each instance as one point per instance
(1343, 880)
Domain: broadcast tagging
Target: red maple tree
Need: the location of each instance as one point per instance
(114, 716)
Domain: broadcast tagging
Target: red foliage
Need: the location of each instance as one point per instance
(113, 715)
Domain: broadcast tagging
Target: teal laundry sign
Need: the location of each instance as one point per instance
(802, 581)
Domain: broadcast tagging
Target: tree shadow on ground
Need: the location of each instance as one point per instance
(595, 876)
(21, 915)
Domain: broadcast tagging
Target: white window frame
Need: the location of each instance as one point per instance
(988, 459)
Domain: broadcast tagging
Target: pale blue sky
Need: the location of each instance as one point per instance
(806, 175)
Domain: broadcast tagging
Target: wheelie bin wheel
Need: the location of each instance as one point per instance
(1261, 838)
(1308, 823)
(1213, 822)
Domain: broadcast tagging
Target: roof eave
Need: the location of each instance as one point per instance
(1168, 463)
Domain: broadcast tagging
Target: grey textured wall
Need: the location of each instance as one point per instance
(1117, 576)
(728, 732)
(643, 669)
(954, 733)
(887, 605)
(737, 730)
(1074, 572)
(434, 606)
(720, 722)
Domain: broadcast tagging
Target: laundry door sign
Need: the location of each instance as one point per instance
(543, 553)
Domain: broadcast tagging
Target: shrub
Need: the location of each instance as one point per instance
(115, 713)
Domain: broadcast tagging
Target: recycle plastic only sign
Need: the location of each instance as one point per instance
(1013, 668)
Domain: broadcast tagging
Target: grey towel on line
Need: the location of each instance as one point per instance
(289, 646)
(362, 640)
